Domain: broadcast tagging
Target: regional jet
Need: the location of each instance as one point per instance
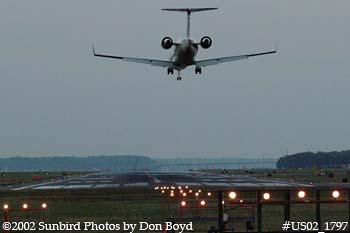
(185, 50)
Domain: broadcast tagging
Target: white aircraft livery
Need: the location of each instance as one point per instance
(185, 50)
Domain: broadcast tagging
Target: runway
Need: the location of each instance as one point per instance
(153, 179)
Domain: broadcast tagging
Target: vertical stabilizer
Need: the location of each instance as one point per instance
(188, 11)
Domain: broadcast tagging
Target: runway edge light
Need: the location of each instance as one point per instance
(301, 194)
(232, 195)
(335, 194)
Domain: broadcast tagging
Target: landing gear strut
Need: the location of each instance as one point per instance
(170, 70)
(178, 76)
(198, 70)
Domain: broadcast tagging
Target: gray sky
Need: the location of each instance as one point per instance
(57, 99)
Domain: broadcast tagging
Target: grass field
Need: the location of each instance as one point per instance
(16, 178)
(135, 205)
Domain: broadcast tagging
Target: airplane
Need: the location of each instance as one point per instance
(185, 50)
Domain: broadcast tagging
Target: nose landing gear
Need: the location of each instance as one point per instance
(178, 76)
(198, 70)
(171, 71)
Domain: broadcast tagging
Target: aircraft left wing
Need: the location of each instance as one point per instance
(216, 61)
(153, 62)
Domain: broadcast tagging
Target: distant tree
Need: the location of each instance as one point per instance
(317, 160)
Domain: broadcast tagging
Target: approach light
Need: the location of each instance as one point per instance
(25, 206)
(335, 194)
(223, 202)
(6, 207)
(241, 201)
(209, 194)
(203, 203)
(179, 187)
(232, 195)
(186, 187)
(156, 188)
(183, 203)
(172, 194)
(181, 191)
(196, 194)
(44, 205)
(266, 196)
(190, 191)
(184, 194)
(199, 191)
(163, 191)
(301, 194)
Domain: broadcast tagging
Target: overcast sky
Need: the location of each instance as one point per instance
(57, 99)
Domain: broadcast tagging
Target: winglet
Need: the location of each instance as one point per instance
(276, 45)
(93, 48)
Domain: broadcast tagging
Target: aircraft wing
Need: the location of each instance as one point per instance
(153, 62)
(216, 61)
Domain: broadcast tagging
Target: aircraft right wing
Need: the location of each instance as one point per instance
(216, 61)
(153, 62)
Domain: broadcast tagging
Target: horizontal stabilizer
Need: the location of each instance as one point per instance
(189, 10)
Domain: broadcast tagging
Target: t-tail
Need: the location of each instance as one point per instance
(189, 11)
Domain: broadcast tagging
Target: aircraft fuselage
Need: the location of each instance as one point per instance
(184, 54)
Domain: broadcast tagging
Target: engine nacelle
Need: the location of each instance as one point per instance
(167, 43)
(206, 42)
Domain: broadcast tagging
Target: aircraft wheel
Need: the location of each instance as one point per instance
(170, 70)
(198, 70)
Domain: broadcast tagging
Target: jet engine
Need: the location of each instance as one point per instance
(206, 42)
(167, 43)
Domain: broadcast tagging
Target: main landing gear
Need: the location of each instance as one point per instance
(170, 70)
(198, 70)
